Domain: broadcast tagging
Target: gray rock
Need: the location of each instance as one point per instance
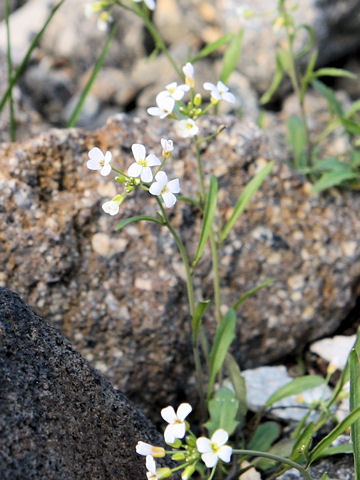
(59, 418)
(120, 296)
(340, 467)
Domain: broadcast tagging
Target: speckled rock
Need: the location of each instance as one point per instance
(340, 467)
(120, 296)
(59, 418)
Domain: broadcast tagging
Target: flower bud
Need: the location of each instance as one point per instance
(189, 470)
(163, 472)
(120, 179)
(178, 456)
(197, 100)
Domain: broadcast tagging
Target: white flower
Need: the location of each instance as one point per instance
(165, 105)
(166, 189)
(167, 146)
(141, 166)
(151, 467)
(145, 449)
(176, 428)
(219, 92)
(99, 161)
(111, 207)
(149, 3)
(104, 21)
(176, 91)
(187, 128)
(214, 448)
(188, 70)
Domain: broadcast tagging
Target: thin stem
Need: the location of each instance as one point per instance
(10, 69)
(97, 67)
(200, 171)
(277, 458)
(216, 275)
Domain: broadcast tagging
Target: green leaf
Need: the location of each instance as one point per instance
(338, 449)
(138, 218)
(209, 214)
(239, 384)
(232, 55)
(296, 386)
(303, 443)
(251, 292)
(355, 159)
(333, 435)
(264, 436)
(311, 40)
(297, 139)
(333, 178)
(354, 402)
(355, 107)
(200, 309)
(334, 72)
(223, 408)
(351, 127)
(328, 93)
(211, 47)
(283, 448)
(329, 164)
(278, 76)
(225, 334)
(244, 199)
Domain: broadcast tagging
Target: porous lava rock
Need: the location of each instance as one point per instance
(59, 418)
(120, 297)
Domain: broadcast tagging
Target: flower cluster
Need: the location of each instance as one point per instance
(169, 102)
(188, 451)
(139, 173)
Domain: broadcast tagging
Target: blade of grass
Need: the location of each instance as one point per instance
(355, 402)
(10, 69)
(27, 56)
(97, 67)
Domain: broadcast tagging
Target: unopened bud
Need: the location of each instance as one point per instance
(120, 179)
(187, 473)
(178, 456)
(197, 100)
(163, 472)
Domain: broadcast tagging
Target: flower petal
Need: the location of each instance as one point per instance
(161, 177)
(225, 453)
(138, 151)
(96, 154)
(143, 448)
(169, 435)
(210, 459)
(146, 175)
(156, 188)
(174, 187)
(184, 408)
(112, 208)
(169, 199)
(108, 157)
(154, 111)
(209, 86)
(106, 170)
(168, 413)
(177, 429)
(152, 160)
(203, 445)
(93, 164)
(228, 97)
(134, 170)
(220, 437)
(150, 464)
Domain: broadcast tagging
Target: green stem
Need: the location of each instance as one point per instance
(200, 171)
(216, 276)
(97, 67)
(277, 458)
(26, 58)
(10, 68)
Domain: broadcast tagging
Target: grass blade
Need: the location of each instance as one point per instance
(211, 47)
(209, 214)
(355, 402)
(27, 56)
(97, 67)
(248, 294)
(296, 386)
(245, 197)
(138, 218)
(231, 56)
(10, 69)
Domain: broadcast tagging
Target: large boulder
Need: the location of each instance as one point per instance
(59, 418)
(120, 297)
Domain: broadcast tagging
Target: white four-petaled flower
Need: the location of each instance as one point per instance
(167, 189)
(143, 448)
(176, 91)
(213, 449)
(187, 128)
(149, 3)
(188, 70)
(151, 467)
(111, 207)
(177, 427)
(99, 161)
(165, 105)
(219, 92)
(167, 146)
(141, 166)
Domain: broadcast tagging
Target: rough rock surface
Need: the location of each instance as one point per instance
(59, 418)
(340, 467)
(120, 296)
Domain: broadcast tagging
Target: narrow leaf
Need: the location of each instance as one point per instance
(336, 450)
(297, 139)
(328, 93)
(351, 127)
(138, 218)
(278, 76)
(223, 408)
(244, 199)
(296, 386)
(354, 402)
(200, 309)
(211, 47)
(251, 292)
(311, 40)
(333, 435)
(225, 334)
(239, 384)
(231, 56)
(334, 72)
(209, 214)
(303, 443)
(264, 436)
(332, 179)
